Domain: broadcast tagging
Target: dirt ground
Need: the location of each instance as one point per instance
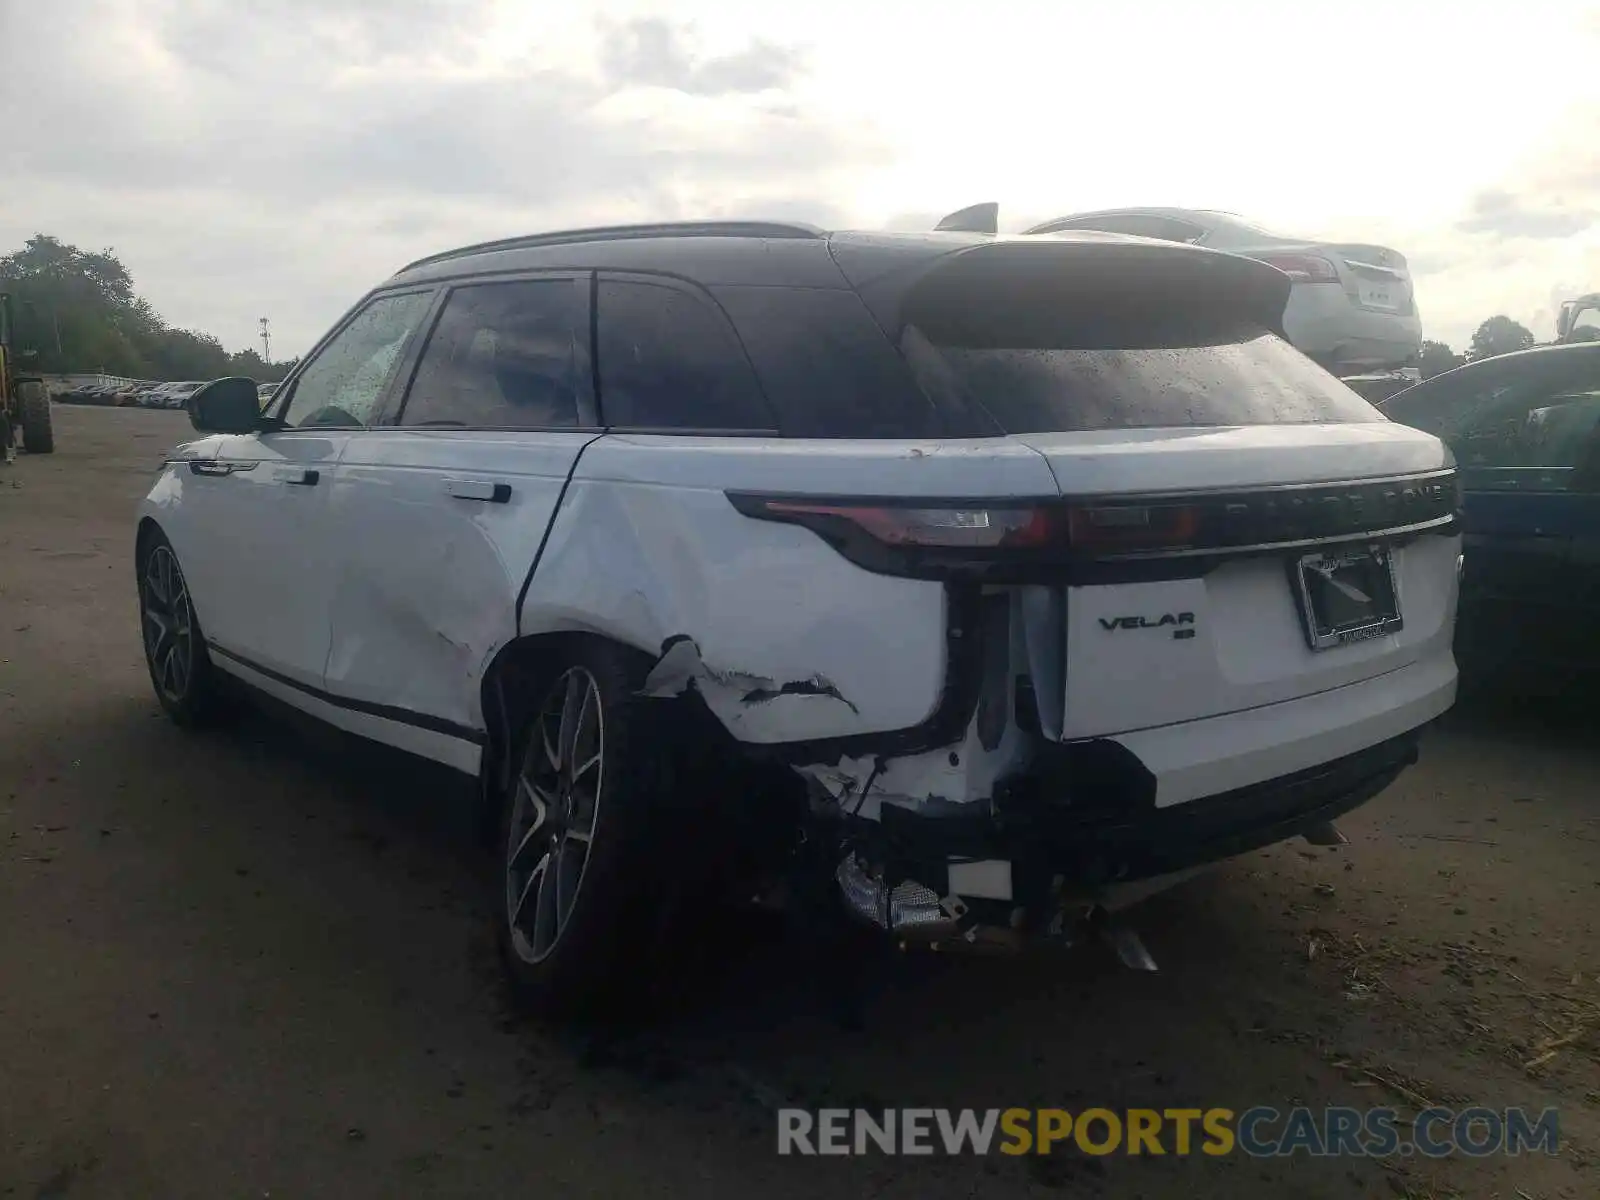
(250, 964)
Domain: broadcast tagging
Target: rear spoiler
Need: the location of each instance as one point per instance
(1059, 294)
(976, 218)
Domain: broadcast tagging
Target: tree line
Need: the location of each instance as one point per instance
(1497, 335)
(78, 312)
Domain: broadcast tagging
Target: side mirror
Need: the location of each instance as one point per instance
(226, 406)
(1564, 319)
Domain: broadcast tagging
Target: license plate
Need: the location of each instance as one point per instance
(1378, 296)
(1347, 596)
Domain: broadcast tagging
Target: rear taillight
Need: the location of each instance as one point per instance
(1043, 532)
(1065, 539)
(1304, 268)
(896, 525)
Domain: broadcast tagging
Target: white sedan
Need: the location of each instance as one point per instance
(1351, 308)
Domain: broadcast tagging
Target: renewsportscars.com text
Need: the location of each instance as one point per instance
(1260, 1132)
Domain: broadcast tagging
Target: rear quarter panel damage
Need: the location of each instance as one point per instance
(784, 638)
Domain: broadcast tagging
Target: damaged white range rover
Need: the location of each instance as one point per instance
(966, 579)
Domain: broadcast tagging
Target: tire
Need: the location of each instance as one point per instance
(38, 437)
(576, 910)
(181, 673)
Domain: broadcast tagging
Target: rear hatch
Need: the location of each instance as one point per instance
(1239, 528)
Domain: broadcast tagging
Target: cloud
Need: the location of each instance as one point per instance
(1504, 215)
(246, 156)
(652, 50)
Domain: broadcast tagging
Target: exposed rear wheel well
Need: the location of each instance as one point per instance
(718, 773)
(510, 689)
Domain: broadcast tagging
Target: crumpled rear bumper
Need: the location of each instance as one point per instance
(1047, 850)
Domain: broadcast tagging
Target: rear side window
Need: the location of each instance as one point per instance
(1150, 225)
(505, 355)
(826, 366)
(669, 360)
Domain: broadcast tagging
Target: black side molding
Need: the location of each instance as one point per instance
(402, 716)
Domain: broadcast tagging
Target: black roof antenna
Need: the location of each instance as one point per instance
(979, 218)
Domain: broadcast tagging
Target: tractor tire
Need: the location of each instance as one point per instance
(37, 435)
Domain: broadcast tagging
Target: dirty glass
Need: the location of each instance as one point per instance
(344, 383)
(826, 366)
(669, 360)
(1251, 378)
(504, 355)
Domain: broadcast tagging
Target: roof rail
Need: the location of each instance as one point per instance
(976, 218)
(608, 233)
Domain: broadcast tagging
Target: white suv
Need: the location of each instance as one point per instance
(964, 578)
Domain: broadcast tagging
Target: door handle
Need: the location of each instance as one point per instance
(198, 466)
(478, 489)
(303, 476)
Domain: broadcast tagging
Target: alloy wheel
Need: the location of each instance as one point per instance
(554, 814)
(168, 622)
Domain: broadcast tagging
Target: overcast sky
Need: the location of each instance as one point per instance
(279, 157)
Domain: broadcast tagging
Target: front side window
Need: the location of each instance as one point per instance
(343, 385)
(505, 355)
(669, 360)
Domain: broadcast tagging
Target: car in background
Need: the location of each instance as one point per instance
(152, 395)
(954, 579)
(1351, 308)
(176, 395)
(92, 393)
(265, 392)
(1525, 431)
(135, 394)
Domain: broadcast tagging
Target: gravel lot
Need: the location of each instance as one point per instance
(251, 963)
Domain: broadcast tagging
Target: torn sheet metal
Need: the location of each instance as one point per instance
(791, 642)
(950, 777)
(731, 695)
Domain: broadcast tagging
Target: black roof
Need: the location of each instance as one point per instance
(878, 266)
(709, 252)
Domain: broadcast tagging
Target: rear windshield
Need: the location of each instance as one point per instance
(1248, 377)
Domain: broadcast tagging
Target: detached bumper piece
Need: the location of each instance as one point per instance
(1082, 821)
